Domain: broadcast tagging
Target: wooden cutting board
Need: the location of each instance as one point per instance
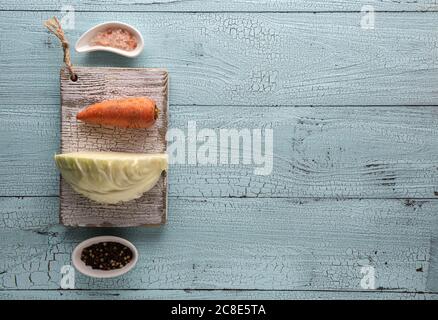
(94, 85)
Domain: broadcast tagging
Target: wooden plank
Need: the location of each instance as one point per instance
(243, 59)
(28, 213)
(223, 5)
(30, 133)
(382, 152)
(281, 244)
(99, 84)
(207, 294)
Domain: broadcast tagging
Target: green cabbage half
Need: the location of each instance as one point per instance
(111, 177)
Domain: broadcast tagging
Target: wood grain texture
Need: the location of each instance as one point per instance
(243, 59)
(210, 294)
(96, 85)
(368, 152)
(292, 235)
(223, 5)
(281, 244)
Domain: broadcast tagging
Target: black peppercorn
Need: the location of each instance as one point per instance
(106, 255)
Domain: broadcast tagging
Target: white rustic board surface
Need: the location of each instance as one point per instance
(98, 84)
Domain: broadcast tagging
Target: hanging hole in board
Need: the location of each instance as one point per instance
(74, 77)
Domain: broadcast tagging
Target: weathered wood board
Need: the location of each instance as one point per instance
(223, 5)
(97, 84)
(238, 243)
(212, 294)
(329, 152)
(243, 59)
(372, 134)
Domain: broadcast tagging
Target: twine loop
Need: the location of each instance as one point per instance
(54, 26)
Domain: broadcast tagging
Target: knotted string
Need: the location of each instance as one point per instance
(54, 27)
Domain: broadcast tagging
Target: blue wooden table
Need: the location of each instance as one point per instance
(351, 207)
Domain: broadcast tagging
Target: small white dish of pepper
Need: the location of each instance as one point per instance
(104, 257)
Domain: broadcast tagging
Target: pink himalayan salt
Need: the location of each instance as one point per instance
(116, 38)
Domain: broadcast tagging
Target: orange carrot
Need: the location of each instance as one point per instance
(138, 112)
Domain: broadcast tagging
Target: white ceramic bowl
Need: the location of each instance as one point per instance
(95, 273)
(84, 42)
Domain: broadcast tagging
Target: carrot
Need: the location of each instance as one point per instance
(138, 112)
